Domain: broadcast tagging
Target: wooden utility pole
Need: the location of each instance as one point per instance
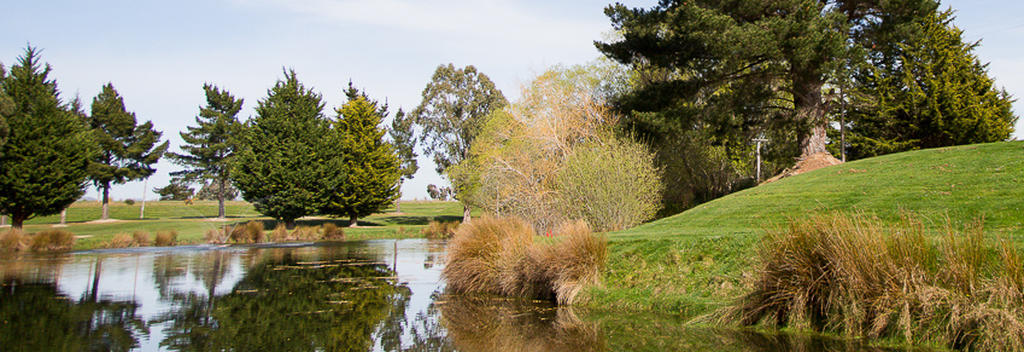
(759, 141)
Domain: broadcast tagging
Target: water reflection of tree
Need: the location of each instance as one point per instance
(36, 317)
(288, 301)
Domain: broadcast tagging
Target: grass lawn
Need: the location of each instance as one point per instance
(694, 262)
(193, 221)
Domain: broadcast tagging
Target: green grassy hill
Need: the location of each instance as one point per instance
(693, 262)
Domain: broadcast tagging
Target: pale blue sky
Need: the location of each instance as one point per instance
(159, 54)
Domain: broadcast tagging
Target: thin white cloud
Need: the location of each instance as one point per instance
(494, 20)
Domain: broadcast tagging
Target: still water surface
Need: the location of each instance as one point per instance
(351, 296)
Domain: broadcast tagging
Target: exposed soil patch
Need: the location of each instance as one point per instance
(807, 164)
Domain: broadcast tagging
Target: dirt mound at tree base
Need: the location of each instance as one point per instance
(807, 164)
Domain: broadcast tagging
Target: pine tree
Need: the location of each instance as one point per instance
(176, 190)
(210, 145)
(403, 137)
(929, 91)
(44, 164)
(128, 151)
(760, 62)
(6, 110)
(285, 159)
(372, 168)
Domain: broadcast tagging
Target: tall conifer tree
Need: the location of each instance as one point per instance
(372, 168)
(128, 151)
(44, 163)
(211, 144)
(285, 159)
(929, 91)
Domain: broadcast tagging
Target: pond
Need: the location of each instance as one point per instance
(347, 296)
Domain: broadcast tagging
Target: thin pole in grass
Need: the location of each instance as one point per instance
(142, 210)
(759, 141)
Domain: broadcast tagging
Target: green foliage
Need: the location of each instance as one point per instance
(176, 190)
(286, 156)
(937, 94)
(128, 151)
(44, 164)
(212, 191)
(372, 168)
(403, 137)
(6, 110)
(454, 105)
(211, 144)
(611, 185)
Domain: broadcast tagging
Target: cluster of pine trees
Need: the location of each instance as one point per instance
(51, 149)
(290, 160)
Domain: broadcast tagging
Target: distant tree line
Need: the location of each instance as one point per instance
(290, 159)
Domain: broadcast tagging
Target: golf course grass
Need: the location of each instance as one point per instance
(191, 222)
(695, 262)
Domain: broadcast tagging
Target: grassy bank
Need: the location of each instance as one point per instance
(695, 262)
(191, 222)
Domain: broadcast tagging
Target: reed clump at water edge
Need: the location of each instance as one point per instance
(55, 240)
(441, 230)
(853, 275)
(499, 256)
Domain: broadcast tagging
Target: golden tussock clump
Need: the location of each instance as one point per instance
(857, 276)
(166, 238)
(140, 238)
(441, 230)
(499, 256)
(14, 240)
(121, 240)
(52, 241)
(333, 232)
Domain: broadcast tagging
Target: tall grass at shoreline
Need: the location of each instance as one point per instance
(499, 256)
(854, 275)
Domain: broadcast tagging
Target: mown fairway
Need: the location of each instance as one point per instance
(193, 221)
(693, 262)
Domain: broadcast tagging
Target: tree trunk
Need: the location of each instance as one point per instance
(353, 221)
(465, 214)
(18, 220)
(106, 202)
(220, 200)
(3, 220)
(64, 216)
(289, 224)
(810, 111)
(398, 205)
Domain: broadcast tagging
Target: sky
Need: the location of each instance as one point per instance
(158, 54)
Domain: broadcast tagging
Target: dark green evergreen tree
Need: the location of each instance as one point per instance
(372, 168)
(212, 191)
(403, 137)
(929, 91)
(286, 159)
(210, 145)
(176, 190)
(44, 164)
(6, 110)
(128, 150)
(455, 105)
(749, 65)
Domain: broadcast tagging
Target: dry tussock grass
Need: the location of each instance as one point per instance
(499, 256)
(140, 238)
(121, 240)
(854, 275)
(280, 233)
(52, 241)
(250, 232)
(441, 230)
(14, 240)
(333, 232)
(166, 238)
